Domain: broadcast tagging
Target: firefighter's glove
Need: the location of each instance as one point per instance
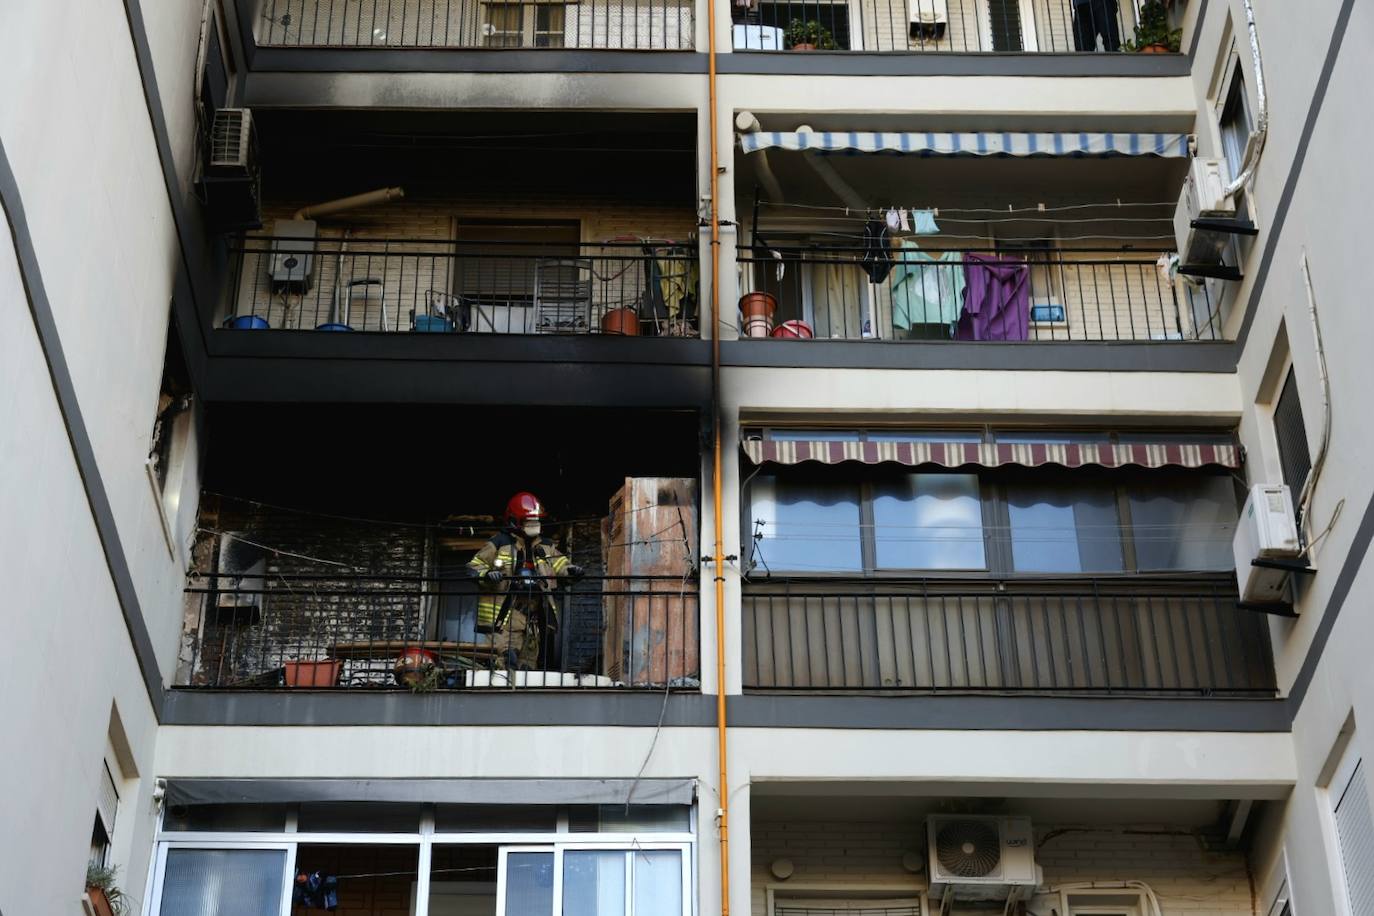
(575, 572)
(494, 576)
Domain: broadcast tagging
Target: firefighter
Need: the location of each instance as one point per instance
(516, 571)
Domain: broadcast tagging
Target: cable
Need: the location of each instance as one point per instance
(1309, 486)
(1009, 209)
(1256, 146)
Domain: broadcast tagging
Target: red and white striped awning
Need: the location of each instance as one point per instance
(993, 455)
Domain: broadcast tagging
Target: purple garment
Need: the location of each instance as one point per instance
(997, 299)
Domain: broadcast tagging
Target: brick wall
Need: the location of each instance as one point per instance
(1189, 879)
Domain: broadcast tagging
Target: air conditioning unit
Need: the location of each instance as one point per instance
(293, 253)
(239, 585)
(229, 182)
(1203, 198)
(233, 147)
(1267, 530)
(980, 858)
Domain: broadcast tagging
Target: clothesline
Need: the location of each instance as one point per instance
(1039, 208)
(981, 220)
(1026, 238)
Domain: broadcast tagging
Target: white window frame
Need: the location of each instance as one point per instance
(153, 905)
(425, 839)
(1132, 903)
(1026, 9)
(1350, 760)
(844, 891)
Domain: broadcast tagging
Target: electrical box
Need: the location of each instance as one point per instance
(1204, 197)
(1267, 530)
(293, 253)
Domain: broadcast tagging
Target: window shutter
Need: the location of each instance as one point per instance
(1355, 830)
(1004, 16)
(1291, 431)
(107, 802)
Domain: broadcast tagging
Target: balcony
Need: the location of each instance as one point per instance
(1099, 636)
(1053, 294)
(387, 631)
(625, 25)
(403, 285)
(934, 26)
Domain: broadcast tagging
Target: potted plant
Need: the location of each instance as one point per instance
(757, 309)
(105, 896)
(1152, 32)
(808, 35)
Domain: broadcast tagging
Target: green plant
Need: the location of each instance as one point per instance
(1152, 29)
(105, 879)
(809, 32)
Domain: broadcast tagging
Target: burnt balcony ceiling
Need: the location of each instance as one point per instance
(423, 463)
(311, 153)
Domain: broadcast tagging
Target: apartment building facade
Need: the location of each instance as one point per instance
(899, 449)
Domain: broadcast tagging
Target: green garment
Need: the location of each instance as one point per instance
(926, 290)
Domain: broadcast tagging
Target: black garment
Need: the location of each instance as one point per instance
(877, 258)
(1092, 18)
(316, 891)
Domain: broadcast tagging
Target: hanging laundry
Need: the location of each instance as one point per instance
(877, 256)
(926, 291)
(904, 220)
(923, 222)
(316, 891)
(893, 219)
(997, 300)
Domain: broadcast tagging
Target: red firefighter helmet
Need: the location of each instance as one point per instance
(523, 507)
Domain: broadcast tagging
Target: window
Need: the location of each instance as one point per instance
(928, 521)
(195, 881)
(1064, 528)
(524, 25)
(107, 806)
(1291, 432)
(805, 524)
(1235, 123)
(805, 521)
(1350, 806)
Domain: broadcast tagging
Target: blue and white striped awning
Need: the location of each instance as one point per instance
(989, 143)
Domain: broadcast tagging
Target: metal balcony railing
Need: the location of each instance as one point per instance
(640, 25)
(1053, 294)
(362, 284)
(919, 26)
(339, 631)
(1133, 636)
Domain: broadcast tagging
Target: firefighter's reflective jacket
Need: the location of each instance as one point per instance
(507, 553)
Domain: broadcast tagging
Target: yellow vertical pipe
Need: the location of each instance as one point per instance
(718, 564)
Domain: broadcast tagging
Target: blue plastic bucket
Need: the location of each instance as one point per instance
(332, 326)
(432, 324)
(246, 323)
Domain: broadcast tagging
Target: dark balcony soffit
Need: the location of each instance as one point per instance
(838, 63)
(1081, 356)
(274, 366)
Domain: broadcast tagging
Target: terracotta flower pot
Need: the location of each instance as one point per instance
(1155, 49)
(313, 674)
(757, 305)
(99, 902)
(620, 321)
(803, 47)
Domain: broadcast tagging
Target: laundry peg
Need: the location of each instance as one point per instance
(1040, 206)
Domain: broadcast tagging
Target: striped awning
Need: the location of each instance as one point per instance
(988, 143)
(993, 455)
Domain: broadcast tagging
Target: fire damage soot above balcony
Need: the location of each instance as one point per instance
(337, 549)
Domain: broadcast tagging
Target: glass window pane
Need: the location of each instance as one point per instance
(807, 526)
(495, 818)
(929, 521)
(1183, 524)
(594, 883)
(529, 884)
(1063, 529)
(927, 435)
(1033, 437)
(223, 882)
(358, 817)
(813, 435)
(225, 818)
(638, 819)
(658, 882)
